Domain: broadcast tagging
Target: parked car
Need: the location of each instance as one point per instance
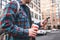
(43, 32)
(54, 29)
(48, 31)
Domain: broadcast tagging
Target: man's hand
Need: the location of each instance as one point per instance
(33, 31)
(44, 23)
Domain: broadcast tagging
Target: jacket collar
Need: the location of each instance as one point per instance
(20, 2)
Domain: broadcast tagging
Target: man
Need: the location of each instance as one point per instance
(18, 26)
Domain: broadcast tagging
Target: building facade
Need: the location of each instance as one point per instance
(48, 9)
(58, 11)
(45, 10)
(35, 10)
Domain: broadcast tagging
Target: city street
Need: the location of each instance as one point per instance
(50, 36)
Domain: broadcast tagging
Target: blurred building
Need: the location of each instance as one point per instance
(53, 14)
(35, 10)
(34, 7)
(48, 9)
(0, 6)
(58, 11)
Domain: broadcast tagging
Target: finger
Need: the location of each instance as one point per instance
(35, 29)
(35, 26)
(34, 33)
(33, 36)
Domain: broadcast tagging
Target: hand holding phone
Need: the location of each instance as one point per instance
(45, 21)
(47, 18)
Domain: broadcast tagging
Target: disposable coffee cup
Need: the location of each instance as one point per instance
(35, 26)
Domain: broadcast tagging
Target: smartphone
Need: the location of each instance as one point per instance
(47, 18)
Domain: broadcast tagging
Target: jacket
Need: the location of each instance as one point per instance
(16, 24)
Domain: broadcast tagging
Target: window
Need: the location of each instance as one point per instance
(39, 11)
(39, 4)
(0, 3)
(35, 8)
(39, 17)
(35, 1)
(32, 14)
(9, 0)
(31, 5)
(0, 13)
(52, 5)
(57, 15)
(42, 15)
(53, 1)
(4, 0)
(36, 16)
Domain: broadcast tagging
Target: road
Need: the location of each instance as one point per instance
(55, 35)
